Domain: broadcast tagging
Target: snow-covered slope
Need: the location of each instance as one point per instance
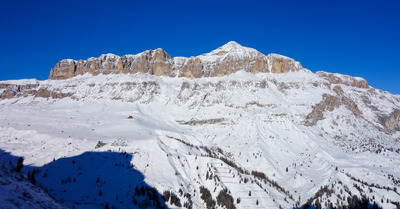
(266, 140)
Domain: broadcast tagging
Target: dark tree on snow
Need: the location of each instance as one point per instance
(20, 164)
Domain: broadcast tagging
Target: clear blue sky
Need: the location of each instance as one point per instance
(357, 38)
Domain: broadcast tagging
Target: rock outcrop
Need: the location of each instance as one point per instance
(329, 103)
(334, 78)
(225, 60)
(9, 91)
(156, 62)
(392, 121)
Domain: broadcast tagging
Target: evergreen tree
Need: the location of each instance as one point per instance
(106, 206)
(166, 195)
(318, 204)
(142, 192)
(136, 190)
(33, 179)
(225, 200)
(20, 164)
(134, 200)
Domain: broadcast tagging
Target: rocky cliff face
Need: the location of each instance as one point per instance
(225, 60)
(9, 91)
(392, 122)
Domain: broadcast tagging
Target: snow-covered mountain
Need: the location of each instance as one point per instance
(231, 128)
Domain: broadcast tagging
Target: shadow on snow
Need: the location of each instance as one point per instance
(94, 180)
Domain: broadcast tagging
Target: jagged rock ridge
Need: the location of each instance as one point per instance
(225, 60)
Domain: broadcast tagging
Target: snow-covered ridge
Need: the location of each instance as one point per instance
(20, 82)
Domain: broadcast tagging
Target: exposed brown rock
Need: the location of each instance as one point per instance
(158, 62)
(392, 121)
(338, 90)
(42, 92)
(63, 70)
(343, 79)
(329, 103)
(3, 85)
(8, 94)
(193, 68)
(15, 91)
(194, 122)
(60, 95)
(282, 66)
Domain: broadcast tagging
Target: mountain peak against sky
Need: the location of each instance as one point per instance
(233, 47)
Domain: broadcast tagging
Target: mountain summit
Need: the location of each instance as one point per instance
(233, 47)
(225, 60)
(231, 128)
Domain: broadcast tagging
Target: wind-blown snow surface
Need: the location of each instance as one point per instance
(180, 128)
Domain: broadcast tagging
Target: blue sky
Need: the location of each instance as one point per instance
(357, 38)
